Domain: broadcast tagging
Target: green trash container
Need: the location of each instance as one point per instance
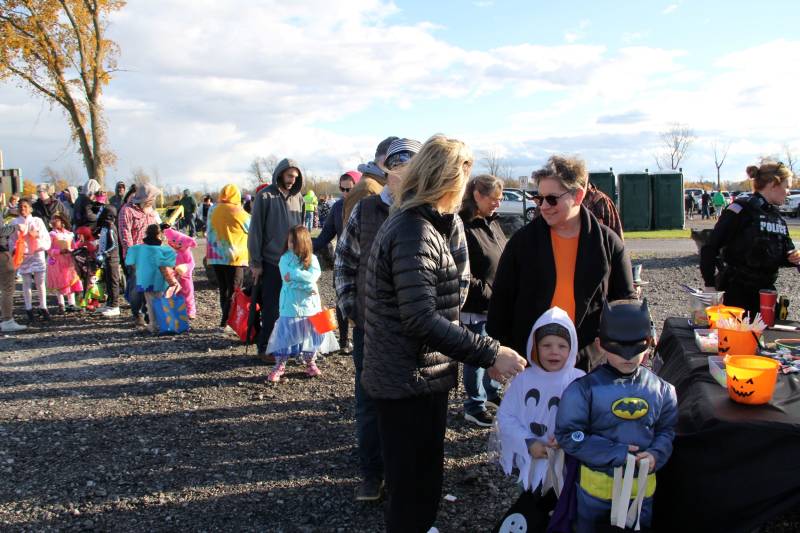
(635, 201)
(668, 210)
(606, 182)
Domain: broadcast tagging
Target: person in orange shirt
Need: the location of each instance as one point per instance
(564, 258)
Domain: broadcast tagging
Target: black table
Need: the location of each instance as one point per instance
(734, 466)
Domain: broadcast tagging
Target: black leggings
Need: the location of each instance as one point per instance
(228, 277)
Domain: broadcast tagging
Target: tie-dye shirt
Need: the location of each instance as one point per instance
(228, 225)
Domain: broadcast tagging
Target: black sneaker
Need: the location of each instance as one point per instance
(369, 490)
(44, 314)
(483, 419)
(495, 404)
(29, 314)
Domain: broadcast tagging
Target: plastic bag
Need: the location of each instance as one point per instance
(239, 313)
(171, 316)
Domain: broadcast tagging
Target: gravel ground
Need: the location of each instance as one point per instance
(102, 427)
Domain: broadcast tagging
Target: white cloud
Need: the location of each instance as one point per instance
(483, 3)
(669, 9)
(198, 101)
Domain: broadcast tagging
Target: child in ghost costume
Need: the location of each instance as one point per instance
(184, 265)
(527, 417)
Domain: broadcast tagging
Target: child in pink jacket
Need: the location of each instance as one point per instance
(184, 265)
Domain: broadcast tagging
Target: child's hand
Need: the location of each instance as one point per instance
(649, 456)
(633, 448)
(538, 450)
(286, 278)
(553, 443)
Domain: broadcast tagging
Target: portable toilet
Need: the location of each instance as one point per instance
(635, 201)
(668, 212)
(606, 182)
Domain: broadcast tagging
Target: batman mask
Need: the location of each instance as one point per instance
(625, 328)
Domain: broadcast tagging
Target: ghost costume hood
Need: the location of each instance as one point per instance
(530, 405)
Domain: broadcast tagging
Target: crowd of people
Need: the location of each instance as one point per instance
(547, 323)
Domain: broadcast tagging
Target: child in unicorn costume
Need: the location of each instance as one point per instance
(184, 265)
(527, 417)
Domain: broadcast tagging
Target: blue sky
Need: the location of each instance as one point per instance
(210, 85)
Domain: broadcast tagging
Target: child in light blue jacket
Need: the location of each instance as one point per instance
(294, 334)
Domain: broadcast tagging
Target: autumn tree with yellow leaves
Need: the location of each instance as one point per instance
(58, 49)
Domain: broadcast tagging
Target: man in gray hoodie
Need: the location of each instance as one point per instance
(276, 209)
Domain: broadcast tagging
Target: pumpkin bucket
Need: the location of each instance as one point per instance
(717, 312)
(751, 378)
(733, 342)
(324, 321)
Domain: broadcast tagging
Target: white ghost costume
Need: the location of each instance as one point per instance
(530, 406)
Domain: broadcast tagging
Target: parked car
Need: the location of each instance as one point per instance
(791, 206)
(728, 197)
(512, 205)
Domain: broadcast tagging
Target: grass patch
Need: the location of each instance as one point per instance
(794, 233)
(658, 234)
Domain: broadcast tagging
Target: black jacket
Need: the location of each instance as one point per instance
(526, 280)
(45, 211)
(485, 241)
(411, 321)
(85, 212)
(332, 227)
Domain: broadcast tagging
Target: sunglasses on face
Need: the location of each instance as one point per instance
(345, 189)
(551, 199)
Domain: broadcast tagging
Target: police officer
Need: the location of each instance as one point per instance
(750, 241)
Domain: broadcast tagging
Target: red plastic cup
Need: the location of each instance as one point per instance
(768, 298)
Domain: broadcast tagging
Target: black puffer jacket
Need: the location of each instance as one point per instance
(411, 318)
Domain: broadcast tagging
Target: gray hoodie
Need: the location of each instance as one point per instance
(272, 217)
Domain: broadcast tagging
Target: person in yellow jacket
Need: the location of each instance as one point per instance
(310, 201)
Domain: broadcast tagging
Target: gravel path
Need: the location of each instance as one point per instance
(102, 427)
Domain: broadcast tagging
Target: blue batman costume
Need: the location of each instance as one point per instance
(603, 412)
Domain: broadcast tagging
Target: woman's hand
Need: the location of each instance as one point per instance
(507, 365)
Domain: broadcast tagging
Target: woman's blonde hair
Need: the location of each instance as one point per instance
(440, 170)
(768, 172)
(570, 172)
(486, 185)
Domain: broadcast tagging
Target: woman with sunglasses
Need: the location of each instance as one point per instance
(564, 258)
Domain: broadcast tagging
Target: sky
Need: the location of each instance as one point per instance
(206, 86)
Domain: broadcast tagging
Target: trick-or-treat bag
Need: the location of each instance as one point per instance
(239, 312)
(171, 316)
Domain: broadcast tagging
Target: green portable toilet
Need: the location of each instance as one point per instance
(667, 200)
(606, 182)
(635, 201)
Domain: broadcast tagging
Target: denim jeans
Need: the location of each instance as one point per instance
(477, 384)
(367, 436)
(309, 220)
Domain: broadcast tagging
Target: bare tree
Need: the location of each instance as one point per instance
(788, 155)
(720, 153)
(261, 169)
(497, 165)
(58, 49)
(675, 143)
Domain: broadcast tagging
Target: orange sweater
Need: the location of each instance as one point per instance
(565, 252)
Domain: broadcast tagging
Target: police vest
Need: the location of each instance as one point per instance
(759, 247)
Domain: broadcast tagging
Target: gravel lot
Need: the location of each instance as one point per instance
(102, 427)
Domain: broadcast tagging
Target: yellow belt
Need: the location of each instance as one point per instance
(601, 485)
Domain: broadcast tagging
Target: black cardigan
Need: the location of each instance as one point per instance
(485, 242)
(526, 280)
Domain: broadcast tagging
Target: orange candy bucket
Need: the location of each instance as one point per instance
(717, 312)
(751, 378)
(324, 321)
(733, 342)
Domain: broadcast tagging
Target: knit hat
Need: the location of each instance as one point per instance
(401, 151)
(553, 329)
(145, 193)
(383, 147)
(355, 175)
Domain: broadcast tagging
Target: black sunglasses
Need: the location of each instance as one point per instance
(551, 199)
(345, 189)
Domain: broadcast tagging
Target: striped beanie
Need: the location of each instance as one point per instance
(401, 151)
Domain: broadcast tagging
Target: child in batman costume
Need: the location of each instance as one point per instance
(619, 409)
